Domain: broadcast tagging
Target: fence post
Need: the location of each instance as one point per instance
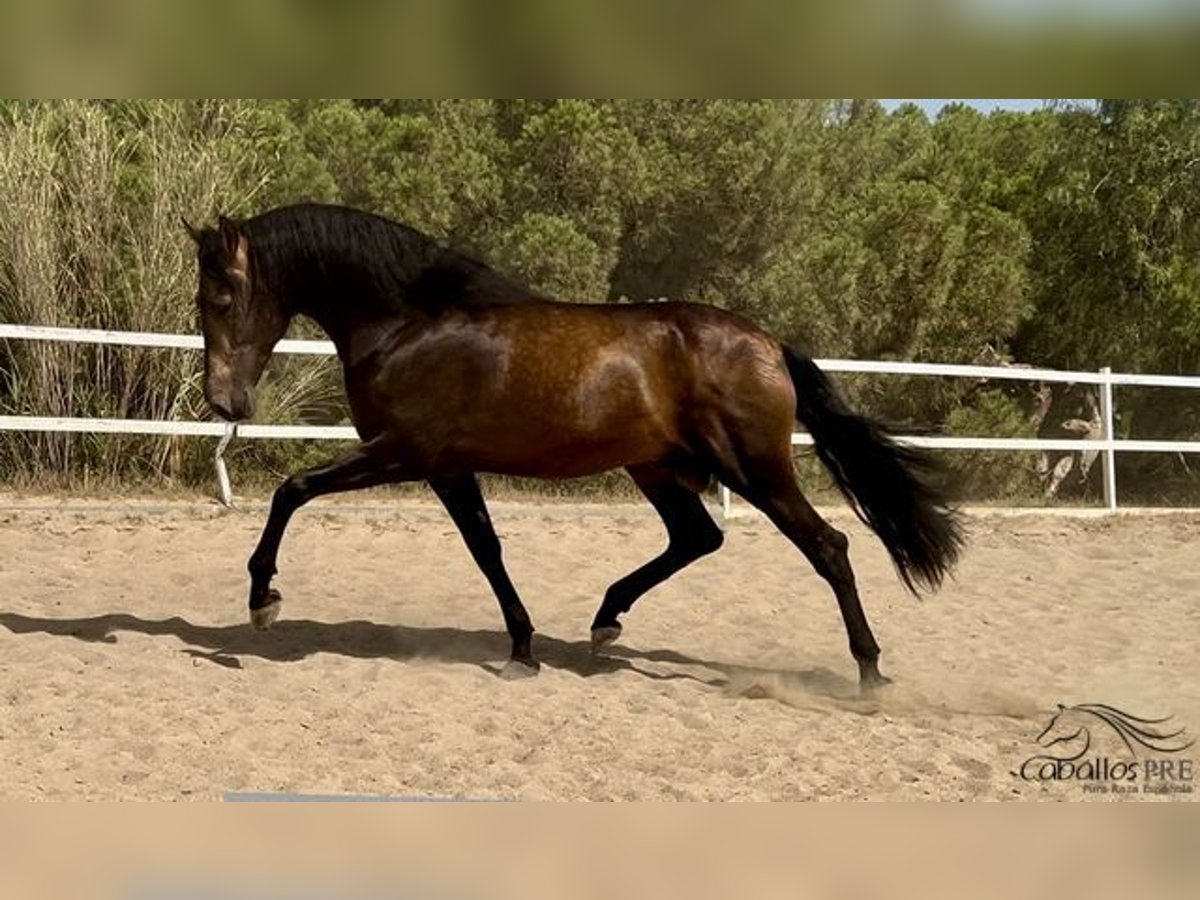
(1108, 466)
(223, 485)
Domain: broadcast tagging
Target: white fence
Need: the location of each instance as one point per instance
(1107, 445)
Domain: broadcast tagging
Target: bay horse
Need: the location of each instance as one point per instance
(453, 369)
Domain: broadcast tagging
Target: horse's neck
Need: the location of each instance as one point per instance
(334, 289)
(354, 314)
(356, 330)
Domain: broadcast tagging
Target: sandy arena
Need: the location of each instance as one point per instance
(128, 669)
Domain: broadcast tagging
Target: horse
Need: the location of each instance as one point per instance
(453, 369)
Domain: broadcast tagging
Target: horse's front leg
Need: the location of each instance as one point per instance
(365, 466)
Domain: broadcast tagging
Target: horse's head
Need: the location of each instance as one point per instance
(1065, 725)
(241, 324)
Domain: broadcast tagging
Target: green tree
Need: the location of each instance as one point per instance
(574, 170)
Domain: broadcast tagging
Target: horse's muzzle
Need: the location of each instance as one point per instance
(233, 406)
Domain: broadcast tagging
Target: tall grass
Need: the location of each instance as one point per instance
(91, 196)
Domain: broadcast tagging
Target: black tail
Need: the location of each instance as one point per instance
(888, 485)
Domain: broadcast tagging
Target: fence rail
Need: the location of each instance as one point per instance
(1107, 445)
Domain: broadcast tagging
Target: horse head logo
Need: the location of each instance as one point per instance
(1074, 728)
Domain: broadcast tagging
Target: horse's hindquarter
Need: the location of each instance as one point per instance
(552, 390)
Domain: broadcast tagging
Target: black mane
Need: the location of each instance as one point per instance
(313, 255)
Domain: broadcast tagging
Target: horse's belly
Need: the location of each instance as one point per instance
(540, 453)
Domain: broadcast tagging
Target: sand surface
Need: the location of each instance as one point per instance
(127, 669)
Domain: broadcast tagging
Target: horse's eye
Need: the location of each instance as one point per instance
(220, 300)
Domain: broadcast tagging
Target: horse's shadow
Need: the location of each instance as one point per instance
(291, 640)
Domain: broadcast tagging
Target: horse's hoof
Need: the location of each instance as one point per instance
(262, 617)
(516, 669)
(874, 687)
(870, 679)
(603, 636)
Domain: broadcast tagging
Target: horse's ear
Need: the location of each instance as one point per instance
(230, 234)
(192, 230)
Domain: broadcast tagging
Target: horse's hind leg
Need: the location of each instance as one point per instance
(691, 534)
(771, 486)
(464, 501)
